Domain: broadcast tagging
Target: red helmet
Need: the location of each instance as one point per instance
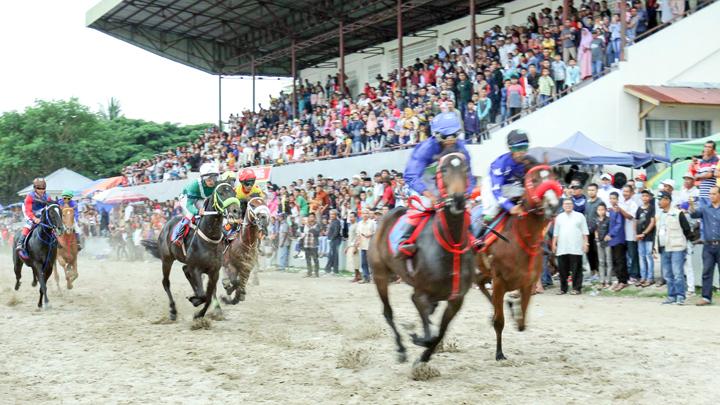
(246, 174)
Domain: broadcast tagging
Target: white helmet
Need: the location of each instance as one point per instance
(209, 169)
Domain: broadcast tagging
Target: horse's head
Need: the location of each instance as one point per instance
(451, 179)
(225, 202)
(258, 214)
(68, 218)
(52, 218)
(542, 191)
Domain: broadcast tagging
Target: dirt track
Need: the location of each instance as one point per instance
(305, 341)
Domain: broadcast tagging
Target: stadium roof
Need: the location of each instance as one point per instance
(675, 95)
(222, 36)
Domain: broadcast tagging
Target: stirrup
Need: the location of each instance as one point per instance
(406, 250)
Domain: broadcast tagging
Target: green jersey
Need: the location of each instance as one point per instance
(196, 191)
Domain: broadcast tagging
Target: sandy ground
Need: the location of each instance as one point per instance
(306, 341)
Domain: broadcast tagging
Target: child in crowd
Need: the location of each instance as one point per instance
(601, 227)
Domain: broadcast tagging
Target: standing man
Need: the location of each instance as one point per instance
(705, 171)
(283, 242)
(606, 188)
(686, 193)
(365, 230)
(570, 241)
(672, 243)
(334, 236)
(617, 242)
(351, 250)
(710, 216)
(591, 204)
(311, 233)
(628, 209)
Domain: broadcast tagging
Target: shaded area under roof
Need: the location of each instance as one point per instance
(222, 36)
(598, 154)
(60, 180)
(675, 95)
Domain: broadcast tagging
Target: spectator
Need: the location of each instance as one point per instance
(558, 72)
(572, 74)
(591, 204)
(546, 87)
(567, 34)
(334, 236)
(617, 242)
(365, 230)
(628, 208)
(686, 193)
(705, 172)
(672, 242)
(597, 52)
(710, 216)
(310, 235)
(645, 221)
(601, 230)
(570, 242)
(351, 246)
(283, 243)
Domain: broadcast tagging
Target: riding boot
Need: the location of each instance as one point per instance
(179, 231)
(406, 250)
(21, 248)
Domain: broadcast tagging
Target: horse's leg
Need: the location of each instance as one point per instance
(18, 265)
(55, 274)
(525, 294)
(481, 285)
(209, 293)
(498, 296)
(44, 285)
(380, 276)
(424, 307)
(452, 309)
(166, 267)
(199, 297)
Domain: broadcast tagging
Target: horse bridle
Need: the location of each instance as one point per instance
(253, 212)
(445, 199)
(46, 218)
(535, 193)
(219, 204)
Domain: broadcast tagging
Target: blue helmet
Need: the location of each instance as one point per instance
(446, 124)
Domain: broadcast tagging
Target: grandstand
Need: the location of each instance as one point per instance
(375, 44)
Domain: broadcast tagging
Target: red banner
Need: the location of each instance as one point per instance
(262, 173)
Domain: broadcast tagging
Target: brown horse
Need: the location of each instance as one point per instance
(443, 267)
(240, 256)
(510, 268)
(67, 249)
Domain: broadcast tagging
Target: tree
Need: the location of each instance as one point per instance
(113, 110)
(54, 134)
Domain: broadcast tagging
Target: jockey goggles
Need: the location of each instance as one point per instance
(248, 183)
(521, 147)
(443, 137)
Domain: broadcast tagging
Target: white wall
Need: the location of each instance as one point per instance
(602, 110)
(362, 67)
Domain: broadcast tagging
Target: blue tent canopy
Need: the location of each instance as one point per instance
(597, 154)
(556, 156)
(641, 159)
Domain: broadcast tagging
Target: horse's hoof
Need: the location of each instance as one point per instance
(420, 341)
(172, 316)
(241, 297)
(500, 356)
(196, 301)
(521, 328)
(401, 357)
(34, 283)
(17, 285)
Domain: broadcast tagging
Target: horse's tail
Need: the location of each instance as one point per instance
(152, 246)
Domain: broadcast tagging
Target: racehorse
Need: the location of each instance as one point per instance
(510, 268)
(443, 267)
(203, 254)
(241, 254)
(67, 249)
(41, 246)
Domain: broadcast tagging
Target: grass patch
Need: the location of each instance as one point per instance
(647, 292)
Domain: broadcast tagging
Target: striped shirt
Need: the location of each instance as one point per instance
(707, 166)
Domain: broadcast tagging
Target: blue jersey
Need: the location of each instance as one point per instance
(504, 171)
(423, 156)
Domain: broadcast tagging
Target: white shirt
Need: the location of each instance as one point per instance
(569, 230)
(631, 208)
(604, 194)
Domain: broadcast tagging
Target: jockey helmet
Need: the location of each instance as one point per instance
(209, 169)
(445, 125)
(67, 194)
(227, 176)
(39, 182)
(518, 139)
(247, 177)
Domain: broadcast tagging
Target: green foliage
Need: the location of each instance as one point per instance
(54, 134)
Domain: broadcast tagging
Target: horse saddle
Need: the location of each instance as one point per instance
(487, 233)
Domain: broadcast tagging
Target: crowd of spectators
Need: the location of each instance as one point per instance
(515, 69)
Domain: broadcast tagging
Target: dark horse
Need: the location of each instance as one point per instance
(510, 268)
(42, 249)
(443, 267)
(241, 254)
(202, 251)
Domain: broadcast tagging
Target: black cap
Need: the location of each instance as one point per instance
(517, 137)
(648, 192)
(664, 194)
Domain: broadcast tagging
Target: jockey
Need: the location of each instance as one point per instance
(67, 200)
(506, 170)
(445, 128)
(35, 201)
(247, 189)
(192, 198)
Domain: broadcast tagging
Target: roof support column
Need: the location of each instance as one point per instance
(623, 29)
(400, 39)
(341, 79)
(220, 102)
(473, 34)
(252, 69)
(293, 72)
(566, 10)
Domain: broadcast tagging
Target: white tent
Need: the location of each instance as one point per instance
(59, 180)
